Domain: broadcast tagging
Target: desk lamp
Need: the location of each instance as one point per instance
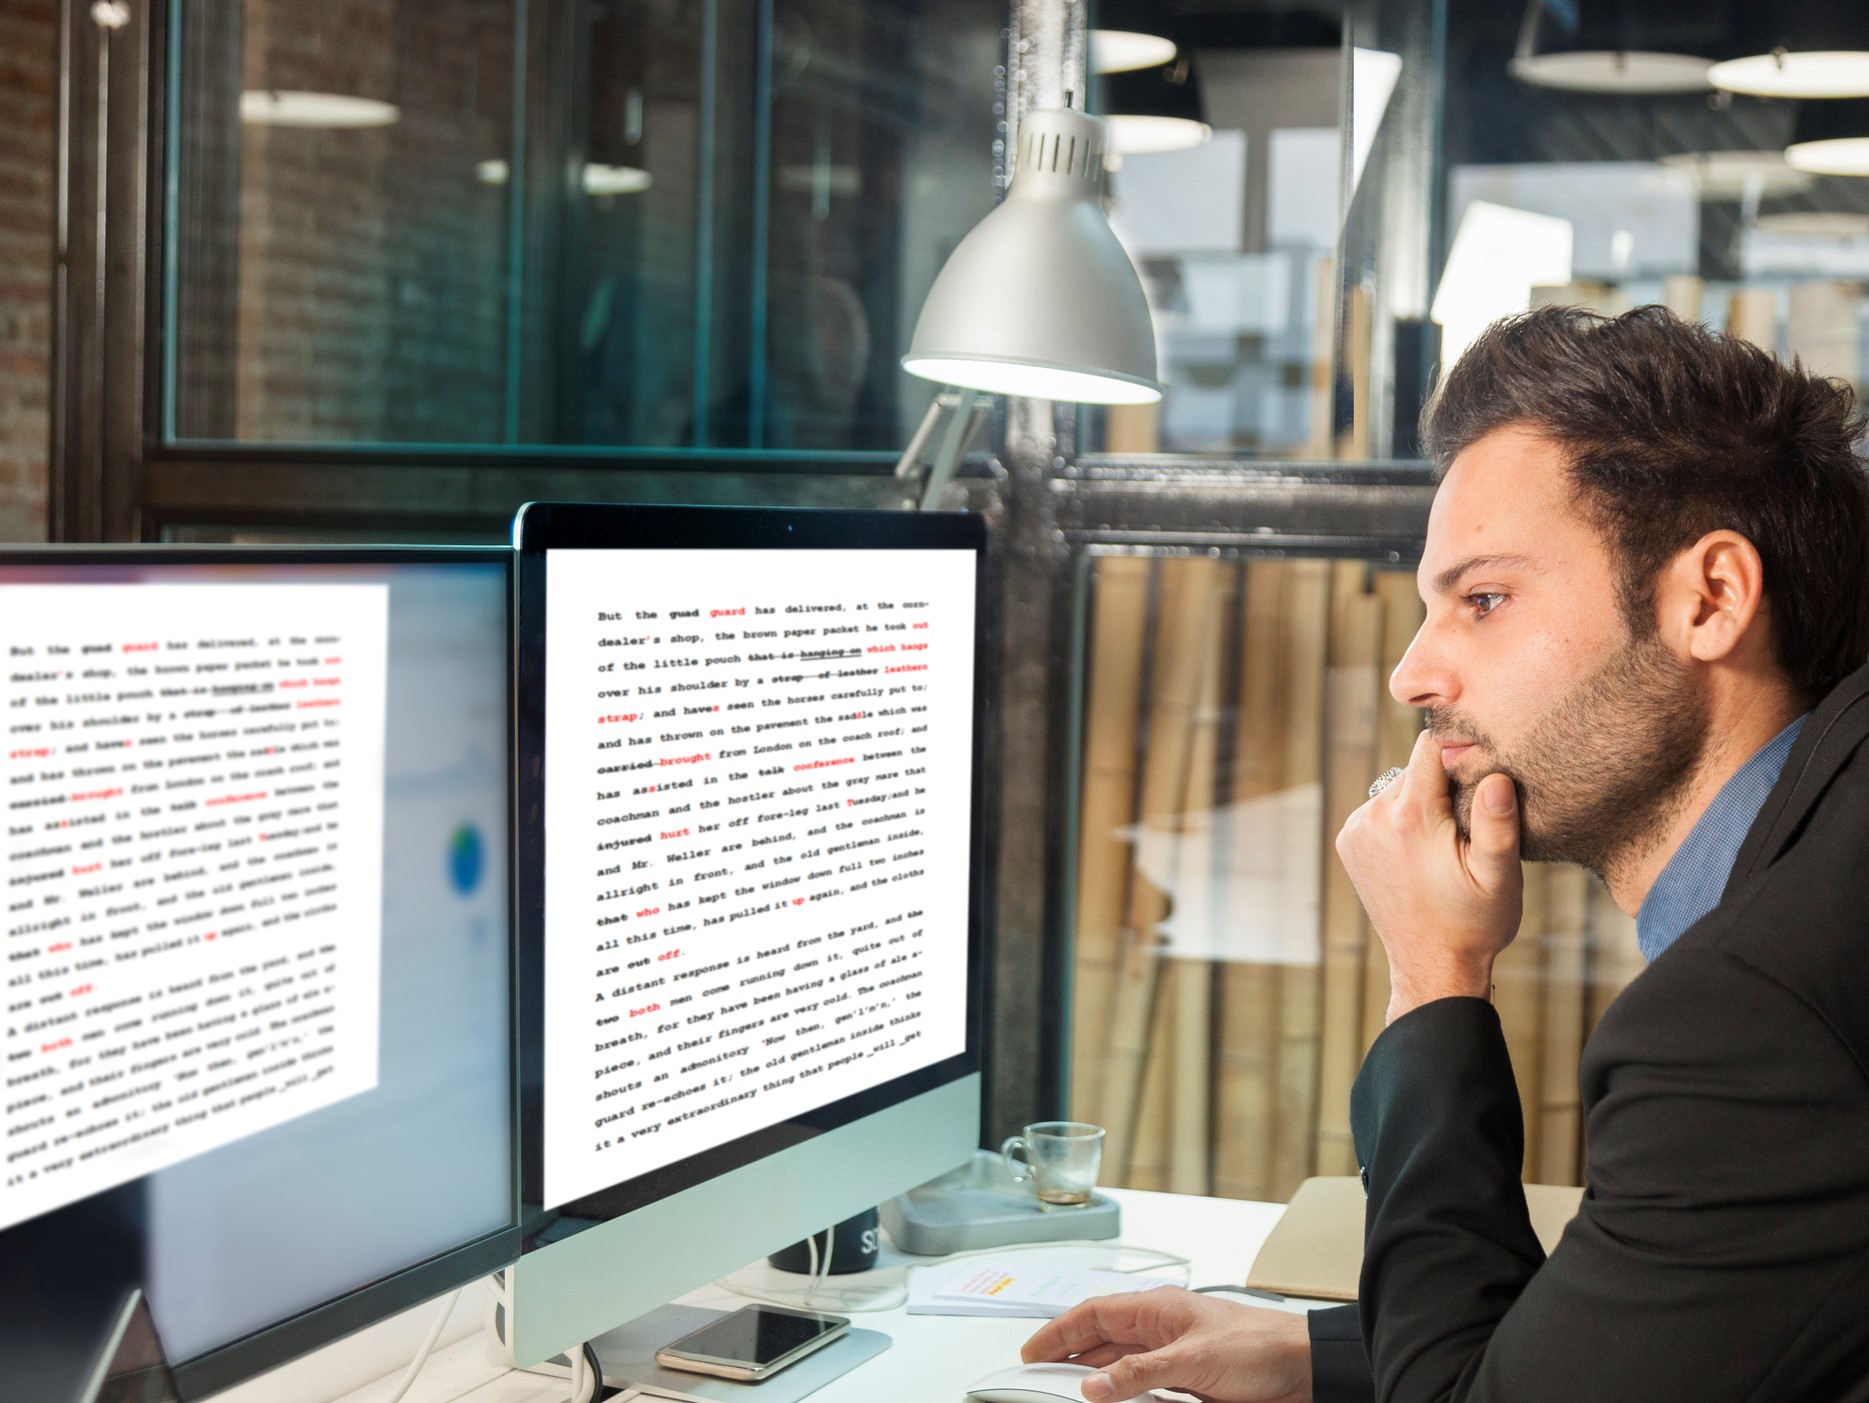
(1039, 299)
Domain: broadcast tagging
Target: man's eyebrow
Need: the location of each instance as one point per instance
(1449, 577)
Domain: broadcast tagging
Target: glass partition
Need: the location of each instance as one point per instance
(1235, 238)
(597, 225)
(1613, 199)
(338, 247)
(1226, 982)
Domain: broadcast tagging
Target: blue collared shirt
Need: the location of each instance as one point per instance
(1691, 884)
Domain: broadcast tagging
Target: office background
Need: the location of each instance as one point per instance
(643, 250)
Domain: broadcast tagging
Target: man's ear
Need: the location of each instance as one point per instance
(1712, 595)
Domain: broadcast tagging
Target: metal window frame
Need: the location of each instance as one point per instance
(114, 478)
(1171, 507)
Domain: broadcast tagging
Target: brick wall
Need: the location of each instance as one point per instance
(28, 73)
(367, 292)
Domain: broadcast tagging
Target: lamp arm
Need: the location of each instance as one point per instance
(941, 439)
(910, 461)
(963, 411)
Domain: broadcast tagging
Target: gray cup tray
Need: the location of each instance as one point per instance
(980, 1205)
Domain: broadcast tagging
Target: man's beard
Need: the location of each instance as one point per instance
(1605, 768)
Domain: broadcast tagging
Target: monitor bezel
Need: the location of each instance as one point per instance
(258, 1351)
(540, 527)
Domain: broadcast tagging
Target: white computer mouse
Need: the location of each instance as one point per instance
(1038, 1383)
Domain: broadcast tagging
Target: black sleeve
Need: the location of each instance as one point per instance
(1728, 1207)
(1339, 1366)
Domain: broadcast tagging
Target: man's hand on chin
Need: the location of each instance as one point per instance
(1444, 906)
(1169, 1338)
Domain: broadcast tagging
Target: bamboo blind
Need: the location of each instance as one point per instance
(1227, 982)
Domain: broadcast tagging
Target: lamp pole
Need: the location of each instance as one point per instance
(1047, 66)
(1035, 77)
(945, 431)
(1048, 58)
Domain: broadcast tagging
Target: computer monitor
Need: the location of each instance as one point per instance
(259, 1007)
(751, 888)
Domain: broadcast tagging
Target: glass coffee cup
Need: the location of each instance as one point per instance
(1061, 1160)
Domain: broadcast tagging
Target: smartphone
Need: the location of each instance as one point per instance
(752, 1344)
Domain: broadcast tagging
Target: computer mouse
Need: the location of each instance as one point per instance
(1038, 1383)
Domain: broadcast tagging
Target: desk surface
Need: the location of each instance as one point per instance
(934, 1357)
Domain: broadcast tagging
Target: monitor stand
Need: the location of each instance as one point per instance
(131, 1368)
(627, 1354)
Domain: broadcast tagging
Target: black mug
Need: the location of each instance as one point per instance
(853, 1245)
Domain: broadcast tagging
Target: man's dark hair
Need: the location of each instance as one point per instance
(1673, 431)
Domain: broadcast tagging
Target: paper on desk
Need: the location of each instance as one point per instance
(1008, 1286)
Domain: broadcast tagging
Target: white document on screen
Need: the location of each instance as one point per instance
(757, 811)
(192, 870)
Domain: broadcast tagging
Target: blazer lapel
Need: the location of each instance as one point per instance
(1836, 728)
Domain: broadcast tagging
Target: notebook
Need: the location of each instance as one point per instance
(1316, 1249)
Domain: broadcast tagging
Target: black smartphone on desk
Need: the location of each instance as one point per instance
(753, 1343)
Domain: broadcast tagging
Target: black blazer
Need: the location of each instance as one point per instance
(1722, 1250)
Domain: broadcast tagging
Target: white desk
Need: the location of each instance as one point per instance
(933, 1357)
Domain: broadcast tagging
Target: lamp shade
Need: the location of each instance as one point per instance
(1805, 50)
(1040, 299)
(1831, 138)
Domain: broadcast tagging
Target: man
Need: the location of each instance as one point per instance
(1647, 587)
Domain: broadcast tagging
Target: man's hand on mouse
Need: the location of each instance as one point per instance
(1444, 905)
(1217, 1350)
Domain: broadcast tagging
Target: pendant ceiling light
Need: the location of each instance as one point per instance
(1154, 109)
(614, 154)
(290, 80)
(1782, 73)
(319, 111)
(1129, 34)
(1816, 50)
(1604, 49)
(1831, 138)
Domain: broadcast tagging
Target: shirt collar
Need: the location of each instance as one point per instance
(1695, 878)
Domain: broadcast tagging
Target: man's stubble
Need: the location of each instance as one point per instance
(1605, 769)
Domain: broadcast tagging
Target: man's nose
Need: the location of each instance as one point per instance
(1422, 678)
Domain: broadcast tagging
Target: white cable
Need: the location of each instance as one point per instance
(819, 1277)
(428, 1348)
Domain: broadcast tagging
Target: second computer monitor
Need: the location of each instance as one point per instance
(751, 890)
(259, 1034)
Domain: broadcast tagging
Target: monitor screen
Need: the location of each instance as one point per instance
(757, 843)
(258, 927)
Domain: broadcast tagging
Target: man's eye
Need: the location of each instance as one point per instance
(1484, 603)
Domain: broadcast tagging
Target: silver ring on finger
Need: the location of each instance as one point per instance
(1384, 780)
